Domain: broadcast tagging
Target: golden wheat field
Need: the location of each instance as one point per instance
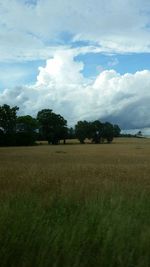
(85, 168)
(76, 205)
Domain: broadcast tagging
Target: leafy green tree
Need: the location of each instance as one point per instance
(8, 117)
(117, 130)
(27, 123)
(90, 130)
(53, 127)
(25, 130)
(2, 138)
(108, 132)
(96, 131)
(82, 130)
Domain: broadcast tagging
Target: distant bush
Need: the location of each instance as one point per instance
(25, 138)
(17, 139)
(8, 139)
(1, 138)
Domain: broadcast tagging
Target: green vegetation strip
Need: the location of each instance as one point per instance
(105, 230)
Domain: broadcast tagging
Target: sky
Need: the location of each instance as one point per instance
(85, 59)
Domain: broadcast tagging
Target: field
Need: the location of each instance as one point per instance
(76, 205)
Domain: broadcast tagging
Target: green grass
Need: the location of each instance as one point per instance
(102, 231)
(75, 209)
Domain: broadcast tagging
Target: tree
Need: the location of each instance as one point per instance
(90, 130)
(2, 138)
(53, 127)
(26, 130)
(8, 117)
(108, 132)
(96, 131)
(117, 130)
(26, 123)
(82, 130)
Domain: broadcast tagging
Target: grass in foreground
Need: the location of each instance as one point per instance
(75, 205)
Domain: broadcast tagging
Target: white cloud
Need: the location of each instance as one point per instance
(28, 31)
(58, 69)
(33, 30)
(60, 85)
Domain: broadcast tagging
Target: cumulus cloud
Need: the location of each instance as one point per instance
(61, 86)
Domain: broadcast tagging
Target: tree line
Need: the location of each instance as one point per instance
(49, 126)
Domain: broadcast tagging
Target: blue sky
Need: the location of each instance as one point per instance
(84, 59)
(19, 73)
(121, 63)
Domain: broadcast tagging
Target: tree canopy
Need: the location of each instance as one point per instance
(28, 123)
(82, 130)
(96, 131)
(8, 117)
(25, 130)
(53, 127)
(117, 130)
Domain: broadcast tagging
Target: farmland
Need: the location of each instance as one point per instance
(76, 205)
